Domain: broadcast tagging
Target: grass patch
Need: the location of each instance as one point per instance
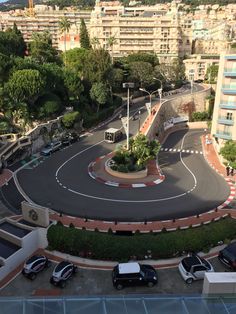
(108, 246)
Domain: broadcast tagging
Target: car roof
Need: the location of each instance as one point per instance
(112, 130)
(34, 258)
(61, 265)
(192, 260)
(127, 268)
(231, 248)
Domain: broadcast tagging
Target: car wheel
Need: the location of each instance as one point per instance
(76, 269)
(48, 264)
(119, 286)
(32, 276)
(189, 281)
(150, 284)
(62, 284)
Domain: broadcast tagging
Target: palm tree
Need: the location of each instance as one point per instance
(111, 42)
(95, 42)
(64, 27)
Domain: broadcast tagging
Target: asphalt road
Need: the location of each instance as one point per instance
(191, 186)
(90, 282)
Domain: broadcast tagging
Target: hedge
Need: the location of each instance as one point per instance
(108, 246)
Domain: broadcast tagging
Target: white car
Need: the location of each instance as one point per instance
(51, 148)
(194, 268)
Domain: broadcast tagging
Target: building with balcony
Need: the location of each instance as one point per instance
(198, 65)
(45, 19)
(140, 29)
(224, 116)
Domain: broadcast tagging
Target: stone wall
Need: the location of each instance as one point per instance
(174, 107)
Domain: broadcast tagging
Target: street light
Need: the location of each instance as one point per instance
(160, 89)
(150, 95)
(139, 112)
(128, 86)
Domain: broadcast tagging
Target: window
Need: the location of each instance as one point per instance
(229, 116)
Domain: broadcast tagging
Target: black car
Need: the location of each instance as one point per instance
(34, 265)
(69, 138)
(228, 256)
(62, 272)
(133, 274)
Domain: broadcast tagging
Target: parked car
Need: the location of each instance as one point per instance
(133, 274)
(34, 265)
(194, 268)
(69, 138)
(62, 272)
(51, 148)
(228, 255)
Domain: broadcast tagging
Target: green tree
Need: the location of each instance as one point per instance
(25, 86)
(141, 72)
(212, 73)
(12, 42)
(142, 57)
(64, 27)
(100, 94)
(229, 152)
(70, 118)
(84, 36)
(97, 66)
(111, 42)
(49, 105)
(95, 43)
(41, 49)
(75, 59)
(5, 66)
(73, 83)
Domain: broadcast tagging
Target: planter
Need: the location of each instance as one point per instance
(125, 175)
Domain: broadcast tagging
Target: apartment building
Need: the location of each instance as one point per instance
(224, 116)
(45, 19)
(140, 29)
(196, 66)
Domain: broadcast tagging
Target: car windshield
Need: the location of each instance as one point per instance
(186, 264)
(229, 255)
(208, 266)
(48, 146)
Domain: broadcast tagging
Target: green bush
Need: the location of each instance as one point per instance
(163, 245)
(49, 104)
(93, 119)
(70, 118)
(200, 116)
(4, 127)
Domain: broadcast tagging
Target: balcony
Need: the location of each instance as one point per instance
(229, 89)
(225, 121)
(224, 135)
(228, 105)
(232, 57)
(230, 72)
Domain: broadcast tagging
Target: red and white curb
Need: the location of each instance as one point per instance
(94, 176)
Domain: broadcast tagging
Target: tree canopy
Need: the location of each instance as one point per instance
(84, 36)
(228, 151)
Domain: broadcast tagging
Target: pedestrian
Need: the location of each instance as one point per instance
(232, 171)
(227, 170)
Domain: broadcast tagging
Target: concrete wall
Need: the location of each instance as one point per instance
(35, 214)
(173, 108)
(30, 243)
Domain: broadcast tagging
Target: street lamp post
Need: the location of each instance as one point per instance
(160, 89)
(150, 96)
(128, 86)
(139, 112)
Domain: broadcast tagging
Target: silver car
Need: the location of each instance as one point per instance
(51, 148)
(194, 268)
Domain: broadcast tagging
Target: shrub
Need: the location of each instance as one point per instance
(162, 245)
(200, 116)
(70, 118)
(4, 127)
(49, 105)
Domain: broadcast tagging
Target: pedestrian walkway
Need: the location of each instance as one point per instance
(5, 176)
(178, 150)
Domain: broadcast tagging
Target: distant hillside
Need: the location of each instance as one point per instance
(13, 4)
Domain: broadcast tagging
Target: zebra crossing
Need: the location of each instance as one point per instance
(178, 150)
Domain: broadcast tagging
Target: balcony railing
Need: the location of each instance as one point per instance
(230, 72)
(224, 135)
(229, 89)
(228, 105)
(232, 57)
(224, 120)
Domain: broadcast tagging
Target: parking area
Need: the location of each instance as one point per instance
(98, 282)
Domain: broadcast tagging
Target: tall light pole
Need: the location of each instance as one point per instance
(139, 112)
(150, 95)
(128, 86)
(160, 89)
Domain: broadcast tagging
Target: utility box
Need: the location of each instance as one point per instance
(219, 283)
